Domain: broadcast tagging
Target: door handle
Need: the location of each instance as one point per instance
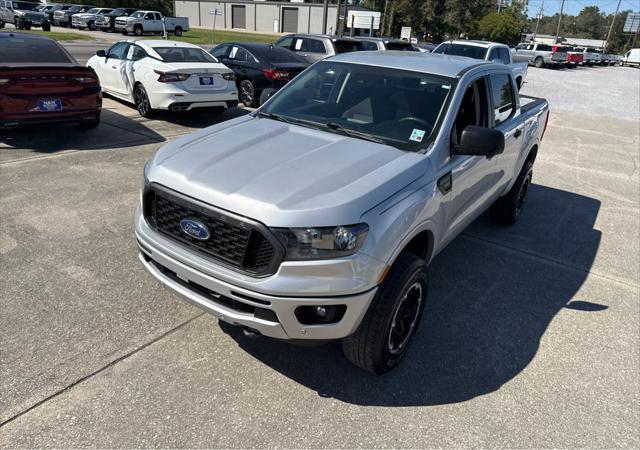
(517, 133)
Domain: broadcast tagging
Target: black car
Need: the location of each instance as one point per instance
(107, 22)
(258, 67)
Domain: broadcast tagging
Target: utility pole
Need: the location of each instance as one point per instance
(535, 33)
(324, 16)
(384, 17)
(559, 20)
(611, 27)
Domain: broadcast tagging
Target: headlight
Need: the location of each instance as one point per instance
(303, 244)
(146, 172)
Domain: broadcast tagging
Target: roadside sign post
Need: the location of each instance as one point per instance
(405, 33)
(214, 12)
(164, 29)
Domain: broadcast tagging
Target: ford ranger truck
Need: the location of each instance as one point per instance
(316, 216)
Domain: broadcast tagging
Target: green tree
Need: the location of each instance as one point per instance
(505, 27)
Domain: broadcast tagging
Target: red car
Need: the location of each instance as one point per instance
(574, 58)
(41, 82)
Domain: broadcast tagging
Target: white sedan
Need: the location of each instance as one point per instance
(160, 74)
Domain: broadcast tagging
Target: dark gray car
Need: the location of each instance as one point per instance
(315, 47)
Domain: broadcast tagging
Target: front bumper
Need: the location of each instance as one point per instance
(183, 272)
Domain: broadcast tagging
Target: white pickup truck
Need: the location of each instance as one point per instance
(488, 51)
(141, 22)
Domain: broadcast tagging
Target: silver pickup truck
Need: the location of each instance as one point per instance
(316, 217)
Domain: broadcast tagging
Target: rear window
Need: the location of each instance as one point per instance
(179, 55)
(32, 51)
(280, 55)
(563, 49)
(368, 45)
(346, 46)
(400, 46)
(470, 51)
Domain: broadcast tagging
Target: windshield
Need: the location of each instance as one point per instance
(118, 11)
(402, 46)
(470, 51)
(29, 50)
(25, 6)
(137, 14)
(93, 11)
(181, 54)
(395, 107)
(346, 46)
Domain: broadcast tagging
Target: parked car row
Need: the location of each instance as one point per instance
(553, 55)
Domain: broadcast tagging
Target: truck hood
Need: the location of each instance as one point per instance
(284, 175)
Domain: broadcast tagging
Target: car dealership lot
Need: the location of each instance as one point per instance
(530, 338)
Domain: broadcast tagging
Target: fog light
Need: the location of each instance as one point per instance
(320, 314)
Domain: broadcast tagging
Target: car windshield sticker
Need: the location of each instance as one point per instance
(298, 44)
(417, 135)
(234, 50)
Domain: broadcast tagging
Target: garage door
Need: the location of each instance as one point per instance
(289, 20)
(238, 17)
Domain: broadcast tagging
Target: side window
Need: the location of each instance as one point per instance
(118, 51)
(285, 42)
(220, 51)
(473, 109)
(158, 16)
(148, 16)
(505, 55)
(502, 95)
(136, 53)
(494, 54)
(521, 47)
(544, 48)
(238, 54)
(312, 46)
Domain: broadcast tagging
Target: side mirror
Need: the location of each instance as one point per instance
(496, 60)
(479, 141)
(101, 53)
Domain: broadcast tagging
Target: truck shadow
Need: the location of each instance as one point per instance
(490, 302)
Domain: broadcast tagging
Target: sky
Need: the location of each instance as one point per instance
(573, 7)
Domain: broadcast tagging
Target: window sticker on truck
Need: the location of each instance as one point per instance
(417, 135)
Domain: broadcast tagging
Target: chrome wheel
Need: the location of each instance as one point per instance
(247, 93)
(405, 319)
(142, 101)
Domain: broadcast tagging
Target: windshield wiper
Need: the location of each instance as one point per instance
(274, 116)
(354, 133)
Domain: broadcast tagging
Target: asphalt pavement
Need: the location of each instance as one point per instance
(530, 337)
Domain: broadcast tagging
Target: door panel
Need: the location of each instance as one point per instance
(474, 178)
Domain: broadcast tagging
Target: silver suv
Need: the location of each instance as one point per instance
(315, 217)
(315, 47)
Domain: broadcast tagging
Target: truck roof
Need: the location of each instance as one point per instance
(485, 44)
(436, 64)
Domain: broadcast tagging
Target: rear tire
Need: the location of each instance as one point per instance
(46, 26)
(538, 62)
(508, 208)
(1, 24)
(178, 31)
(92, 26)
(248, 94)
(382, 339)
(141, 100)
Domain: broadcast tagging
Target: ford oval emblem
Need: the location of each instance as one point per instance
(195, 229)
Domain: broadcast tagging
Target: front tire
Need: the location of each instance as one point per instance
(141, 100)
(508, 208)
(92, 26)
(137, 30)
(382, 339)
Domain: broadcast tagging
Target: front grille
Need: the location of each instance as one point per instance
(121, 22)
(235, 241)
